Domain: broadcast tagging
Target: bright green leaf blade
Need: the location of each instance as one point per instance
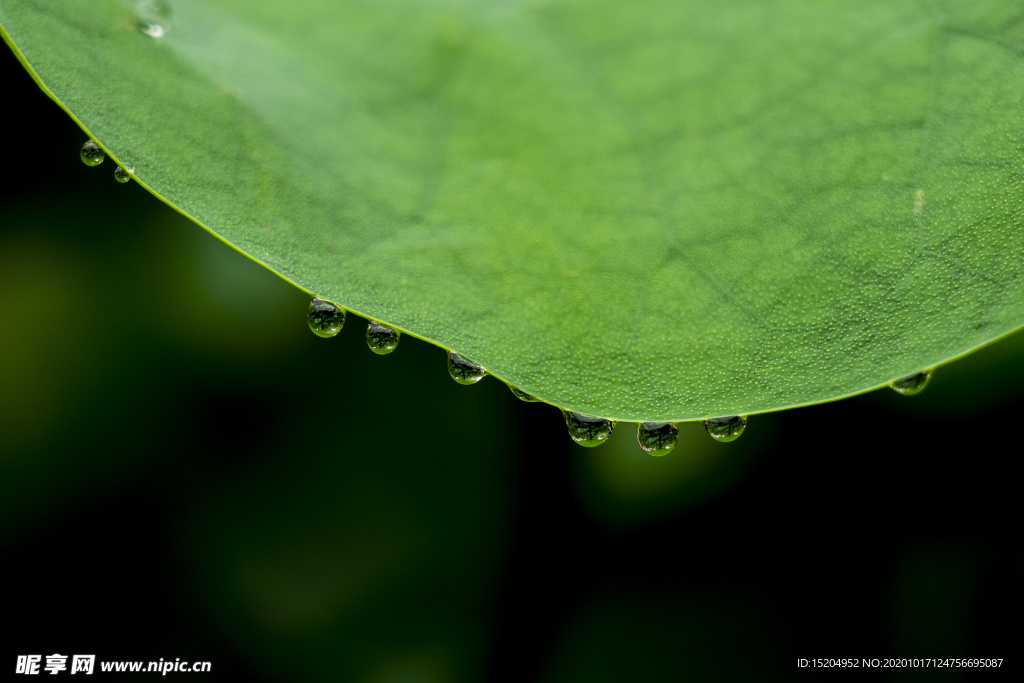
(656, 210)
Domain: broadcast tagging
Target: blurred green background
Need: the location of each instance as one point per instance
(187, 472)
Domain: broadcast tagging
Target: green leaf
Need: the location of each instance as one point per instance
(648, 210)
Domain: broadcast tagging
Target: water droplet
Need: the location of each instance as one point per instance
(121, 174)
(150, 29)
(464, 371)
(91, 154)
(657, 438)
(325, 319)
(912, 384)
(725, 428)
(380, 338)
(587, 430)
(151, 16)
(522, 395)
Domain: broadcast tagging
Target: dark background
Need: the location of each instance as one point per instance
(187, 472)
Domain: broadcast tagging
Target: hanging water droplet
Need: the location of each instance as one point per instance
(464, 371)
(912, 384)
(587, 430)
(325, 319)
(725, 428)
(657, 438)
(380, 338)
(91, 154)
(150, 29)
(151, 16)
(522, 395)
(121, 174)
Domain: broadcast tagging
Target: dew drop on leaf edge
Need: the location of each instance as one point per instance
(92, 154)
(380, 338)
(657, 438)
(522, 395)
(725, 429)
(587, 430)
(325, 319)
(463, 370)
(912, 384)
(121, 175)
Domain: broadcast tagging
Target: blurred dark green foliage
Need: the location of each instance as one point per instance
(186, 471)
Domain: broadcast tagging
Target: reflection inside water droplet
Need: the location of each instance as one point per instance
(464, 371)
(122, 175)
(657, 438)
(325, 319)
(522, 395)
(912, 384)
(380, 338)
(587, 430)
(725, 428)
(152, 30)
(91, 154)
